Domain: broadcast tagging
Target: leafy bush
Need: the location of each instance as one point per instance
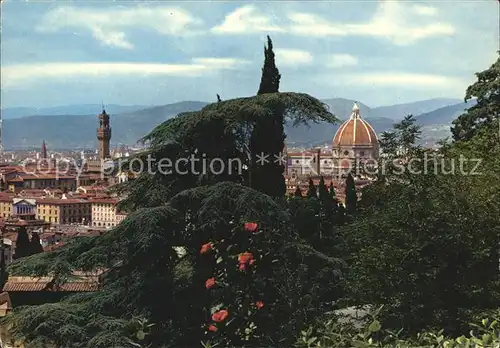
(331, 333)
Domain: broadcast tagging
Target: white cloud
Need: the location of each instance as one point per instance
(425, 10)
(341, 60)
(393, 20)
(401, 79)
(22, 73)
(108, 25)
(291, 57)
(245, 20)
(226, 63)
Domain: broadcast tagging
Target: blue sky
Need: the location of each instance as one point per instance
(152, 53)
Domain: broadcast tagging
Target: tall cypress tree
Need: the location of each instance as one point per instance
(323, 191)
(298, 192)
(3, 269)
(311, 192)
(23, 246)
(351, 198)
(35, 245)
(331, 191)
(268, 135)
(270, 80)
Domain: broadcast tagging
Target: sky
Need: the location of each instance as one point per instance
(155, 53)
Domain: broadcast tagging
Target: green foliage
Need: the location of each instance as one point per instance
(298, 192)
(485, 113)
(369, 333)
(407, 133)
(388, 142)
(145, 267)
(3, 269)
(323, 191)
(35, 245)
(331, 191)
(311, 191)
(427, 248)
(268, 135)
(270, 80)
(23, 246)
(351, 197)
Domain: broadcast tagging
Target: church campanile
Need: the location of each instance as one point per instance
(104, 135)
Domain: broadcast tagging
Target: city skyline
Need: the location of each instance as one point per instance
(381, 53)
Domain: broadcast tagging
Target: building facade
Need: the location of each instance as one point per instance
(104, 212)
(354, 143)
(5, 205)
(64, 211)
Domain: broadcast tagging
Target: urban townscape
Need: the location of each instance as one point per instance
(217, 174)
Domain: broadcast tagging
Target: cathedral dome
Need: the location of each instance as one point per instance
(355, 132)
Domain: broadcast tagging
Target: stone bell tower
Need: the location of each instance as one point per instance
(104, 135)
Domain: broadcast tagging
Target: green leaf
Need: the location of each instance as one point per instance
(215, 308)
(374, 326)
(311, 340)
(141, 335)
(360, 344)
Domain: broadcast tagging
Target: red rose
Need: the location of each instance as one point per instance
(210, 283)
(220, 316)
(245, 258)
(205, 248)
(259, 304)
(212, 328)
(251, 226)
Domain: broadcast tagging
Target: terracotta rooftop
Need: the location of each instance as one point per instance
(16, 179)
(355, 132)
(6, 198)
(60, 201)
(104, 200)
(43, 285)
(12, 236)
(85, 283)
(53, 247)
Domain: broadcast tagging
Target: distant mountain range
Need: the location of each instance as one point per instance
(75, 126)
(79, 109)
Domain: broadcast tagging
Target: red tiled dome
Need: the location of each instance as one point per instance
(355, 131)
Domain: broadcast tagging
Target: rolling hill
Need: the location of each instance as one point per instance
(63, 131)
(396, 112)
(77, 131)
(79, 109)
(444, 115)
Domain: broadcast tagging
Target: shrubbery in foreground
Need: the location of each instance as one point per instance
(331, 333)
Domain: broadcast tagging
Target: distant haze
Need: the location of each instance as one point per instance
(74, 126)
